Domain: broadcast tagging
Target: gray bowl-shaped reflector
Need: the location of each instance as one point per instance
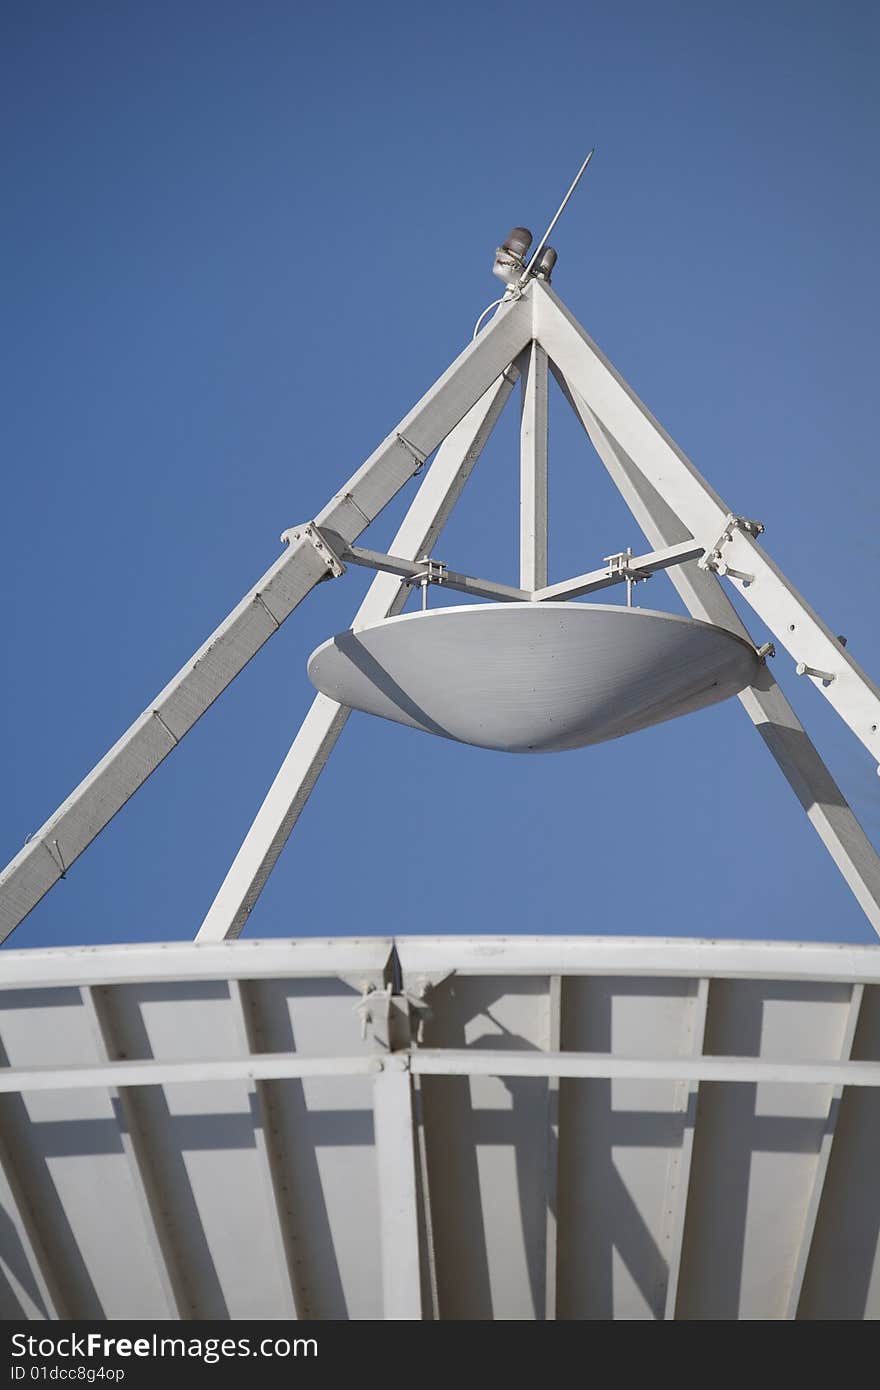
(533, 677)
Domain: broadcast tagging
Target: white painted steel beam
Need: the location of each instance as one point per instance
(50, 853)
(639, 567)
(430, 1287)
(398, 1210)
(452, 579)
(278, 814)
(475, 1062)
(147, 1193)
(554, 1044)
(822, 1161)
(268, 1158)
(427, 959)
(326, 719)
(441, 1062)
(277, 1066)
(679, 1175)
(533, 469)
(626, 420)
(362, 960)
(770, 712)
(19, 1214)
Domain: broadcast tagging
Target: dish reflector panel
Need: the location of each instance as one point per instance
(533, 677)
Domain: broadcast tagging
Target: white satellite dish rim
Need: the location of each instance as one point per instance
(549, 607)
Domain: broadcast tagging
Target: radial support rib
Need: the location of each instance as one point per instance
(38, 1295)
(398, 1211)
(158, 1231)
(675, 1198)
(811, 1215)
(551, 1226)
(267, 1154)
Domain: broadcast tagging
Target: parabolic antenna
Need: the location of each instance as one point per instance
(533, 677)
(606, 1127)
(463, 1127)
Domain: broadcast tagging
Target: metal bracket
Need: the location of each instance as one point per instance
(434, 572)
(365, 1006)
(57, 857)
(387, 1015)
(712, 559)
(310, 532)
(619, 565)
(421, 1008)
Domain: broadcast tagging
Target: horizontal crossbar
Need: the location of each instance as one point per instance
(267, 1067)
(416, 570)
(636, 567)
(584, 1065)
(443, 1062)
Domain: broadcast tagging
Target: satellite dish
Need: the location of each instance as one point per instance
(533, 677)
(462, 1126)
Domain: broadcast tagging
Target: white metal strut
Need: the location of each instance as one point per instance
(533, 469)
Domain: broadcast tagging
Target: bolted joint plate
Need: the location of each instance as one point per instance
(310, 532)
(712, 558)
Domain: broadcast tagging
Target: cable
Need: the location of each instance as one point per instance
(488, 309)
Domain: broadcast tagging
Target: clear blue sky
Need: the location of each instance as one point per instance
(239, 241)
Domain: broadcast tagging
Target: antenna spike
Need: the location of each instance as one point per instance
(559, 211)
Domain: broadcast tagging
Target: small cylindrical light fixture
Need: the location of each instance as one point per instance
(510, 255)
(518, 242)
(544, 268)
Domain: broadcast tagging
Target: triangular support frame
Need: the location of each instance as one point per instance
(694, 534)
